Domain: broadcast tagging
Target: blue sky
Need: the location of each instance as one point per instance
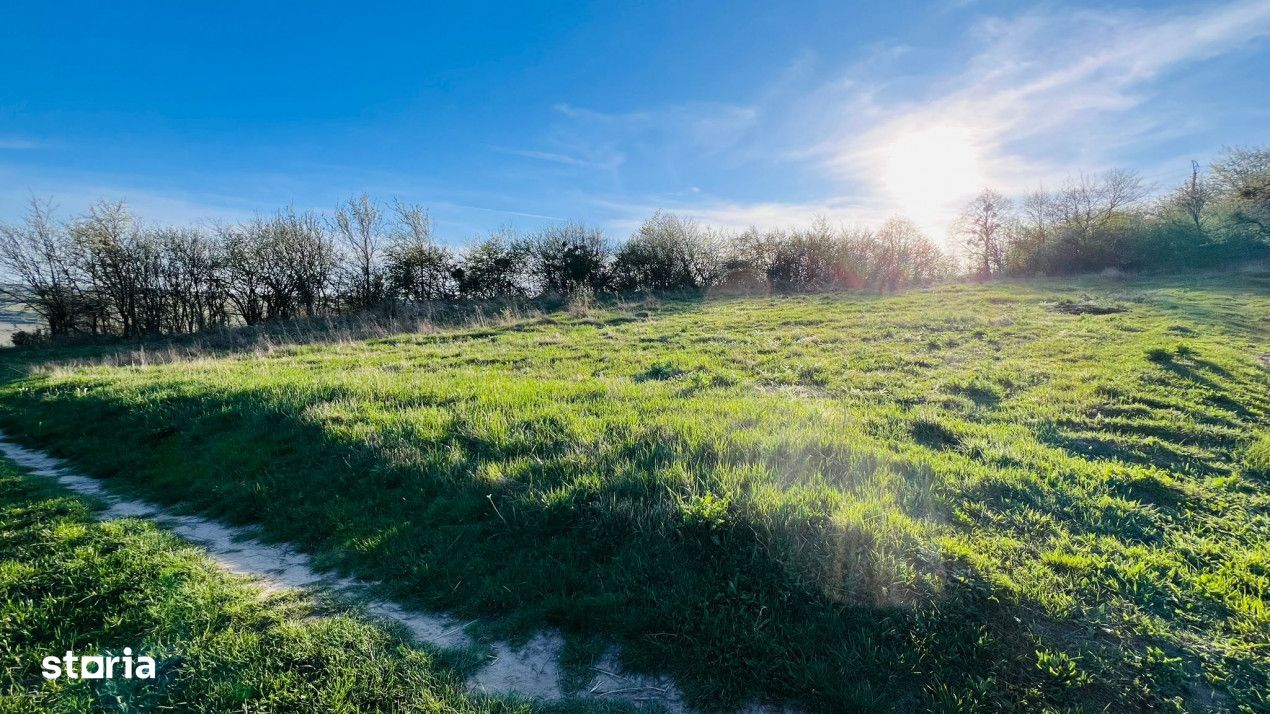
(737, 113)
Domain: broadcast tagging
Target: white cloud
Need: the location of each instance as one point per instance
(679, 132)
(1061, 81)
(1030, 98)
(609, 162)
(1036, 98)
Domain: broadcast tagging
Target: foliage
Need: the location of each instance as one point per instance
(494, 268)
(32, 338)
(421, 272)
(568, 258)
(1218, 219)
(668, 253)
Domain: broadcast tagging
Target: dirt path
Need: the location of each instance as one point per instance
(532, 670)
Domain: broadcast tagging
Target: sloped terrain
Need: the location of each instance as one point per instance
(972, 495)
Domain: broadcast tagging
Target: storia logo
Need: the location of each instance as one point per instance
(99, 666)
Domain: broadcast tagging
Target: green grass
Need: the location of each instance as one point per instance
(948, 499)
(70, 582)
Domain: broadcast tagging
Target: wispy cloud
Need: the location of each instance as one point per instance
(500, 211)
(1044, 92)
(905, 125)
(679, 132)
(1034, 98)
(608, 163)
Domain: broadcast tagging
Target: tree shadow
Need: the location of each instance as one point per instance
(529, 531)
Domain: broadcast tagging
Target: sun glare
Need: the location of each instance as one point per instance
(926, 171)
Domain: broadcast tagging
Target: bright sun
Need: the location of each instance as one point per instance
(927, 171)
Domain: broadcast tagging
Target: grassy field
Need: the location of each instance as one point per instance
(972, 496)
(70, 582)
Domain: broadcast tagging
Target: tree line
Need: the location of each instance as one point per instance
(1216, 218)
(106, 273)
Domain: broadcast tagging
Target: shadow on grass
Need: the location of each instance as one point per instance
(723, 602)
(528, 531)
(1221, 407)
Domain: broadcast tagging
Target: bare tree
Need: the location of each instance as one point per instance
(359, 223)
(982, 228)
(1088, 205)
(806, 258)
(154, 301)
(707, 256)
(108, 273)
(414, 225)
(192, 265)
(118, 260)
(1085, 215)
(418, 270)
(38, 269)
(906, 255)
(306, 259)
(1028, 237)
(280, 267)
(242, 274)
(1191, 200)
(1037, 215)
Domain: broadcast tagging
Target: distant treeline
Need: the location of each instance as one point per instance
(107, 273)
(1215, 218)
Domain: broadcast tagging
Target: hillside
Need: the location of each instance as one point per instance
(1009, 495)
